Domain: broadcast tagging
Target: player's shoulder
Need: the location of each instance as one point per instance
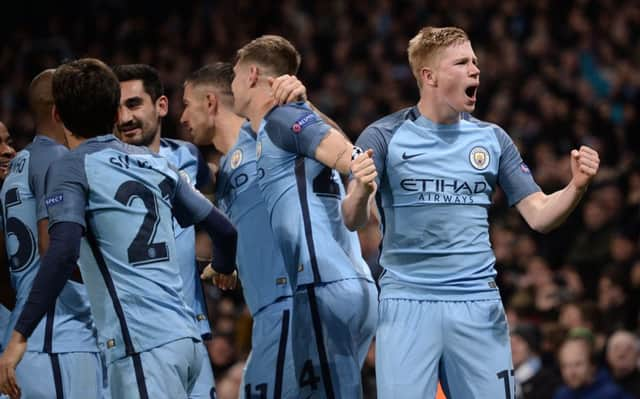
(45, 148)
(392, 122)
(474, 122)
(294, 115)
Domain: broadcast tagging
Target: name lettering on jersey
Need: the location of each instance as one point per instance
(53, 200)
(448, 191)
(302, 122)
(17, 166)
(239, 180)
(125, 162)
(443, 185)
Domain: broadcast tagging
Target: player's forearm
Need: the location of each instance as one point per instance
(356, 208)
(55, 269)
(554, 209)
(335, 151)
(224, 237)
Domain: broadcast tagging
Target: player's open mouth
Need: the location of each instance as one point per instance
(470, 91)
(4, 165)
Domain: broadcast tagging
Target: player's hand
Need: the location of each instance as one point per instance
(364, 171)
(287, 89)
(8, 363)
(222, 281)
(584, 166)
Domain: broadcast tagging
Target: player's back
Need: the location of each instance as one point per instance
(303, 197)
(435, 184)
(128, 256)
(260, 263)
(69, 326)
(184, 156)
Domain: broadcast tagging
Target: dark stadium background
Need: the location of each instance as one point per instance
(554, 75)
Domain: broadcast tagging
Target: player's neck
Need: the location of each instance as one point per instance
(437, 113)
(227, 132)
(51, 131)
(155, 144)
(261, 104)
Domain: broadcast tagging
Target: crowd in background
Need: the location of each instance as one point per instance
(554, 75)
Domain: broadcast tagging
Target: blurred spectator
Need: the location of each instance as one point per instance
(581, 375)
(623, 359)
(532, 379)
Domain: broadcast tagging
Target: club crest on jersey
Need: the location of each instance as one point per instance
(236, 158)
(302, 122)
(258, 149)
(479, 158)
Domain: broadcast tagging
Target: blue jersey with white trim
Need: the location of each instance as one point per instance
(69, 326)
(260, 263)
(186, 157)
(303, 198)
(124, 197)
(435, 186)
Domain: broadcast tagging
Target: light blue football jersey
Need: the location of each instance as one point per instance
(124, 197)
(69, 326)
(435, 186)
(260, 264)
(303, 198)
(186, 158)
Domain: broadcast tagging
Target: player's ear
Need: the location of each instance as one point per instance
(428, 76)
(55, 115)
(162, 106)
(212, 103)
(254, 72)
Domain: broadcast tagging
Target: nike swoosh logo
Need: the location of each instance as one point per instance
(405, 156)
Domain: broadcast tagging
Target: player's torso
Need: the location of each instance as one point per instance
(129, 259)
(303, 198)
(435, 193)
(69, 326)
(260, 264)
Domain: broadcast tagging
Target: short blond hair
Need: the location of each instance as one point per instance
(273, 52)
(428, 42)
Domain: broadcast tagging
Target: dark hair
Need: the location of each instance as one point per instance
(87, 95)
(219, 74)
(146, 73)
(273, 52)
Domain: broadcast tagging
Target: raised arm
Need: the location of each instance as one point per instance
(357, 205)
(544, 212)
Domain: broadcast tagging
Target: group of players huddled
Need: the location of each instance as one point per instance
(98, 216)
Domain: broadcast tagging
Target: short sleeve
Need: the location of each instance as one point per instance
(514, 176)
(189, 205)
(373, 138)
(37, 176)
(66, 191)
(296, 128)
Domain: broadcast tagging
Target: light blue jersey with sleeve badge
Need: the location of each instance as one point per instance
(435, 187)
(123, 196)
(304, 197)
(260, 263)
(69, 326)
(186, 157)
